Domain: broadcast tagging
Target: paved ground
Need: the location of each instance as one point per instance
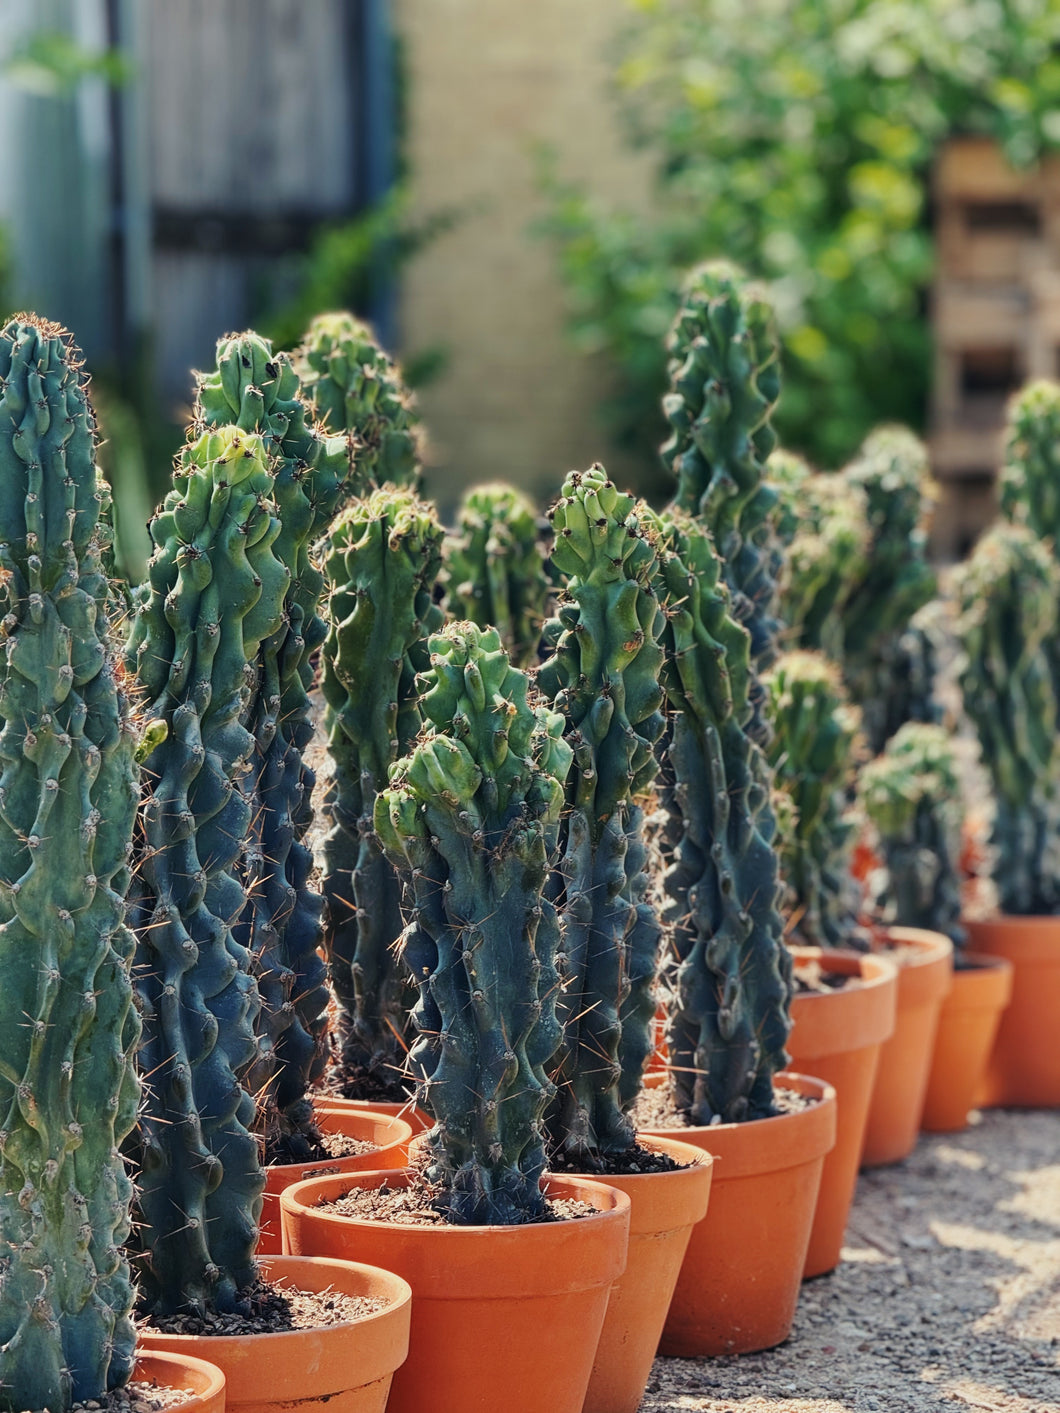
(948, 1297)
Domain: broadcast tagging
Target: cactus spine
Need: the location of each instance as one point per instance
(68, 793)
(724, 382)
(733, 973)
(604, 680)
(912, 795)
(892, 471)
(496, 568)
(383, 558)
(257, 391)
(215, 593)
(356, 390)
(812, 752)
(472, 819)
(1008, 593)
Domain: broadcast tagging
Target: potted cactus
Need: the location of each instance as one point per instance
(215, 595)
(1008, 593)
(603, 678)
(69, 789)
(731, 973)
(912, 796)
(471, 817)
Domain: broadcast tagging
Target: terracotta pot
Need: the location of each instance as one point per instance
(503, 1317)
(664, 1207)
(341, 1368)
(391, 1137)
(409, 1112)
(201, 1382)
(968, 1023)
(1024, 1065)
(739, 1282)
(924, 981)
(837, 1036)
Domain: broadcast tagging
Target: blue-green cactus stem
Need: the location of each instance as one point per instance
(912, 794)
(258, 391)
(215, 593)
(472, 819)
(603, 677)
(68, 795)
(1030, 477)
(891, 470)
(495, 568)
(1008, 594)
(357, 390)
(383, 559)
(813, 754)
(732, 978)
(724, 382)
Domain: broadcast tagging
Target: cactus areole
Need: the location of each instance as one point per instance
(472, 819)
(215, 593)
(604, 679)
(68, 793)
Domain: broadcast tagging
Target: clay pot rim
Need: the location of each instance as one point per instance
(402, 1133)
(1027, 937)
(684, 1186)
(212, 1378)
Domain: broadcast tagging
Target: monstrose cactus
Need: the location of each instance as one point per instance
(358, 391)
(472, 819)
(1008, 592)
(496, 568)
(383, 558)
(1030, 477)
(604, 679)
(68, 794)
(912, 795)
(732, 979)
(215, 593)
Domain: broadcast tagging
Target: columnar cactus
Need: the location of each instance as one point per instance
(472, 819)
(1030, 477)
(68, 794)
(733, 975)
(604, 680)
(1008, 593)
(357, 390)
(496, 568)
(383, 559)
(215, 593)
(724, 381)
(812, 752)
(912, 794)
(826, 559)
(257, 391)
(892, 471)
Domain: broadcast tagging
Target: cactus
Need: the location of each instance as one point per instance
(812, 752)
(496, 568)
(383, 558)
(912, 795)
(892, 471)
(215, 593)
(257, 391)
(1008, 593)
(826, 558)
(604, 680)
(68, 793)
(733, 974)
(1030, 477)
(356, 390)
(472, 820)
(724, 381)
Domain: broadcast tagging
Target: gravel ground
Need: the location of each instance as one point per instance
(947, 1298)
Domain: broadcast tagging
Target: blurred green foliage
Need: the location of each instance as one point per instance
(796, 137)
(51, 64)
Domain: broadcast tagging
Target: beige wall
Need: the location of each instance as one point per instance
(487, 80)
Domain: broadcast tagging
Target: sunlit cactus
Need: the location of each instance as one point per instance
(826, 559)
(68, 795)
